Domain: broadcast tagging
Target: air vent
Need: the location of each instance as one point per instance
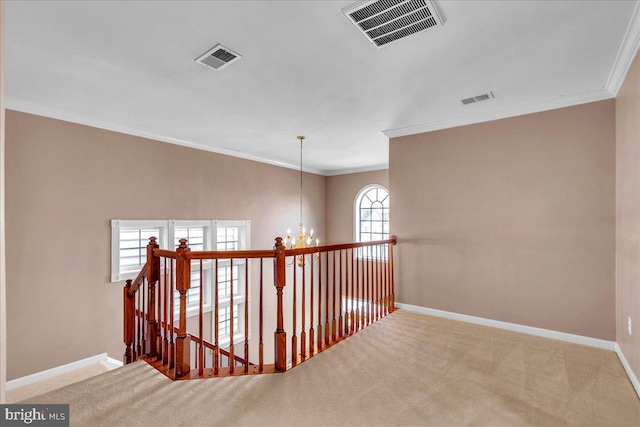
(385, 21)
(218, 57)
(478, 98)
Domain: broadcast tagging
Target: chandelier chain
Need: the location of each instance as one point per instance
(301, 138)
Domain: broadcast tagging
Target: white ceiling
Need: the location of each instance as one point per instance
(129, 66)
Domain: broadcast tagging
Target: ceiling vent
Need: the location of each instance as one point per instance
(478, 98)
(385, 21)
(218, 57)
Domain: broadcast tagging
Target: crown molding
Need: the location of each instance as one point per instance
(486, 116)
(357, 170)
(52, 113)
(626, 53)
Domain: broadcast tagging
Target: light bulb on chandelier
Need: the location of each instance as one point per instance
(302, 240)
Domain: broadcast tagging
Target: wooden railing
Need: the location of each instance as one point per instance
(335, 291)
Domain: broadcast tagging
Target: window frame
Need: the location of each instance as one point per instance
(167, 239)
(361, 253)
(117, 225)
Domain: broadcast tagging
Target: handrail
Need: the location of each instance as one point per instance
(338, 247)
(252, 254)
(165, 253)
(230, 254)
(138, 280)
(347, 286)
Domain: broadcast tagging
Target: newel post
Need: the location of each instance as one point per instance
(280, 338)
(392, 304)
(183, 283)
(153, 275)
(129, 310)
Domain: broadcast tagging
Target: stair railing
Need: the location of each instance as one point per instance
(335, 291)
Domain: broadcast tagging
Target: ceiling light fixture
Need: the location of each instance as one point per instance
(302, 240)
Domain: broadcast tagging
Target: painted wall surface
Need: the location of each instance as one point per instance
(512, 220)
(341, 193)
(628, 216)
(65, 182)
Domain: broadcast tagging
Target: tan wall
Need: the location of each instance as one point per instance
(511, 220)
(628, 216)
(341, 193)
(65, 182)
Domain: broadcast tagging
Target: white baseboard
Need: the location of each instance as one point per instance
(63, 369)
(546, 333)
(112, 363)
(627, 368)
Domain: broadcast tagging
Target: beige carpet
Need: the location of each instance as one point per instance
(45, 386)
(407, 369)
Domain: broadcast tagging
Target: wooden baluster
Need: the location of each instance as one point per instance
(303, 334)
(383, 248)
(143, 317)
(280, 336)
(347, 296)
(333, 319)
(294, 338)
(380, 281)
(129, 311)
(354, 300)
(371, 279)
(200, 362)
(373, 283)
(153, 332)
(340, 329)
(311, 330)
(216, 348)
(137, 338)
(319, 302)
(376, 283)
(380, 289)
(158, 310)
(172, 347)
(387, 283)
(385, 272)
(365, 287)
(363, 267)
(232, 358)
(327, 327)
(347, 300)
(166, 330)
(183, 283)
(246, 315)
(372, 287)
(370, 284)
(358, 316)
(260, 344)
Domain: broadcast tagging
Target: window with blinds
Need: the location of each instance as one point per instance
(129, 254)
(129, 240)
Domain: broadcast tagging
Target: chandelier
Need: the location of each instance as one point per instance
(302, 240)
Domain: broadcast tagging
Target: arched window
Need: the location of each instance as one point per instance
(372, 214)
